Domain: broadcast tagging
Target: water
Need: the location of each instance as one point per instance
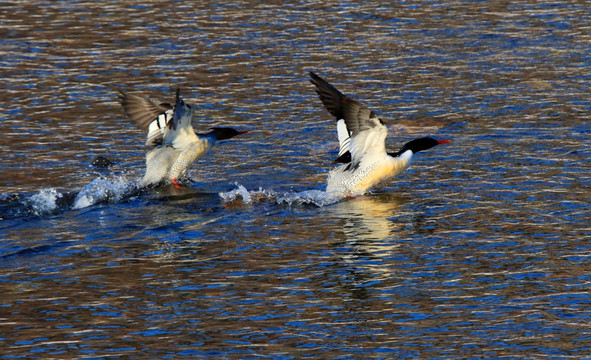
(479, 250)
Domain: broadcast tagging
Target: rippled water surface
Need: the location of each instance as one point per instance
(479, 250)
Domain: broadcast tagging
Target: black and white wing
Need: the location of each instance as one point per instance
(147, 115)
(361, 133)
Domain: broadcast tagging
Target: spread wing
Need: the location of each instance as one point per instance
(147, 115)
(366, 131)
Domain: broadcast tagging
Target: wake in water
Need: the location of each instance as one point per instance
(111, 189)
(51, 201)
(311, 197)
(104, 189)
(45, 201)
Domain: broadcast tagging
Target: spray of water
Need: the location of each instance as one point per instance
(100, 189)
(310, 197)
(44, 202)
(104, 189)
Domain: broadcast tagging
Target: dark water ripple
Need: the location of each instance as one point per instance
(480, 250)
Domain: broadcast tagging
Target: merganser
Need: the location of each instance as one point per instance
(175, 146)
(362, 150)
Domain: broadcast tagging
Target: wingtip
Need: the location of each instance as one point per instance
(320, 83)
(315, 79)
(332, 99)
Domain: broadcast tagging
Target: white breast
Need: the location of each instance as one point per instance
(356, 181)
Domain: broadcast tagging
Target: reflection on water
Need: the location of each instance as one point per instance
(368, 218)
(479, 250)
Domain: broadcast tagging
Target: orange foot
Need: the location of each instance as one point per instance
(176, 184)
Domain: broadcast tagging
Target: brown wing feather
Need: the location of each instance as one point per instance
(329, 95)
(356, 115)
(140, 110)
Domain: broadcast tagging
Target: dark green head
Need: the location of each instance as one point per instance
(420, 144)
(224, 133)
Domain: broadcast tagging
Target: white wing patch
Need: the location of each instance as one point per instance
(369, 146)
(156, 128)
(344, 136)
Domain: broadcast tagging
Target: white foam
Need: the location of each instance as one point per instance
(233, 195)
(103, 189)
(246, 196)
(314, 197)
(45, 201)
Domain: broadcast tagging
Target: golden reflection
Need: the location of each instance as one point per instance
(368, 216)
(369, 231)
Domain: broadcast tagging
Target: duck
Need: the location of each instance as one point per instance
(363, 160)
(173, 144)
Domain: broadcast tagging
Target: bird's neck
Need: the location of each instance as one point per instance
(184, 136)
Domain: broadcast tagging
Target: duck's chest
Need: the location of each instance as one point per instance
(361, 179)
(367, 177)
(190, 154)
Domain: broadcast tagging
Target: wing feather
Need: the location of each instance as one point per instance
(367, 132)
(140, 110)
(147, 114)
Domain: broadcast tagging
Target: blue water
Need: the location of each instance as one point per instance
(479, 250)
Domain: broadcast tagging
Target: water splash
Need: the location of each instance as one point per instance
(314, 197)
(52, 201)
(246, 196)
(233, 195)
(307, 197)
(104, 189)
(44, 202)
